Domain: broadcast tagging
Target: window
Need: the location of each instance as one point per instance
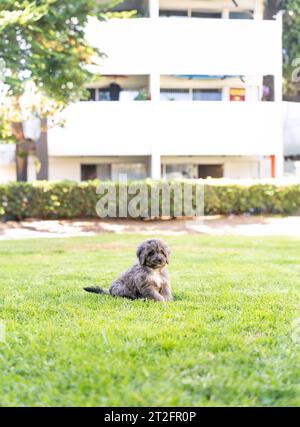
(207, 95)
(104, 172)
(174, 95)
(88, 172)
(193, 94)
(111, 171)
(203, 14)
(178, 171)
(92, 95)
(212, 171)
(93, 171)
(134, 171)
(129, 88)
(103, 95)
(173, 13)
(241, 15)
(141, 7)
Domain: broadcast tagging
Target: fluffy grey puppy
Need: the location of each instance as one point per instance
(148, 279)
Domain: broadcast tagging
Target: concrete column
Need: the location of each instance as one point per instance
(278, 82)
(225, 14)
(225, 93)
(279, 164)
(278, 71)
(155, 166)
(155, 86)
(154, 8)
(155, 95)
(258, 9)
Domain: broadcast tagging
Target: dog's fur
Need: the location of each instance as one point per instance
(148, 279)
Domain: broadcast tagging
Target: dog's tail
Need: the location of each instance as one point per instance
(96, 290)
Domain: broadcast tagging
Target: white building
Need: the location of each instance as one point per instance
(190, 75)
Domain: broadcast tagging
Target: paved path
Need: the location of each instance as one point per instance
(210, 225)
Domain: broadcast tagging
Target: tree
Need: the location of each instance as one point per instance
(42, 50)
(291, 40)
(291, 52)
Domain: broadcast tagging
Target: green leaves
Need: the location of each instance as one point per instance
(65, 199)
(43, 41)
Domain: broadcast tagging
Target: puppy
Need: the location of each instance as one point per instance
(147, 279)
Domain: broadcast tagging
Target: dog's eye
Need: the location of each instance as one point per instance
(151, 253)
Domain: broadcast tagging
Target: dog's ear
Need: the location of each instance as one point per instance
(141, 254)
(168, 254)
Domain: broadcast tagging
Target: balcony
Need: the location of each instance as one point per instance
(188, 46)
(168, 128)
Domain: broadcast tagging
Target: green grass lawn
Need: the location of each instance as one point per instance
(227, 339)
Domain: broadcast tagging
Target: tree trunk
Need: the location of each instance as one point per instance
(271, 8)
(42, 152)
(21, 152)
(21, 161)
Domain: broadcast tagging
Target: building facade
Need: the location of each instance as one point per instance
(182, 93)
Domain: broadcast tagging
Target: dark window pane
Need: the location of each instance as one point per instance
(213, 171)
(140, 6)
(92, 95)
(103, 95)
(172, 13)
(217, 15)
(88, 172)
(241, 15)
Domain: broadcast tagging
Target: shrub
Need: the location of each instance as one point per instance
(65, 199)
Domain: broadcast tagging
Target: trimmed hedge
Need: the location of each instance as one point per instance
(63, 200)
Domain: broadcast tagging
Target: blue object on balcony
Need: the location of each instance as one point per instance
(202, 76)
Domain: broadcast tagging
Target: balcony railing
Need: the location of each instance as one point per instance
(170, 128)
(188, 46)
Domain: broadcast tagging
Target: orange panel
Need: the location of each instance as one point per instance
(273, 166)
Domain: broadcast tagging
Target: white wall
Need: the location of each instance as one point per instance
(169, 128)
(7, 163)
(188, 46)
(234, 167)
(7, 173)
(61, 168)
